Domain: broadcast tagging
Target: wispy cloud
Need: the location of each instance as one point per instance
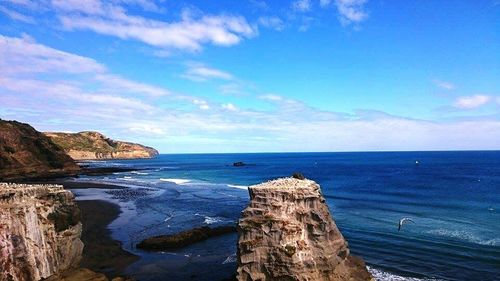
(187, 34)
(200, 73)
(16, 15)
(444, 84)
(273, 22)
(23, 55)
(351, 11)
(301, 5)
(471, 102)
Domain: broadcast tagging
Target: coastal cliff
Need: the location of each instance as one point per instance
(94, 145)
(26, 153)
(39, 231)
(287, 233)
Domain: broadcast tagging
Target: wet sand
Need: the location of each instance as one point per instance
(101, 252)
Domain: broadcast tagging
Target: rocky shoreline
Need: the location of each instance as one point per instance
(285, 232)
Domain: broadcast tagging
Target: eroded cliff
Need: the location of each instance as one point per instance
(287, 233)
(26, 153)
(39, 231)
(94, 145)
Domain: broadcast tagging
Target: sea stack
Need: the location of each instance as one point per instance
(39, 231)
(287, 233)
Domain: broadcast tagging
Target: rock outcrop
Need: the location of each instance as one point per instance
(26, 153)
(39, 231)
(94, 145)
(184, 238)
(287, 233)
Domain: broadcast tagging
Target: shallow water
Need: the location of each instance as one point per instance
(452, 197)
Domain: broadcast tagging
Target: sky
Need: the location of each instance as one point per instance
(257, 76)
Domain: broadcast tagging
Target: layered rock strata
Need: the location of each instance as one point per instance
(39, 231)
(94, 145)
(287, 233)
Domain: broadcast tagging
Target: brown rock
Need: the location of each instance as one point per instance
(26, 153)
(32, 247)
(287, 233)
(94, 145)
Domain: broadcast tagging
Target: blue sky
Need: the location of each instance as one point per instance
(257, 76)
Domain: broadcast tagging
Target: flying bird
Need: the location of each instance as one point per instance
(402, 221)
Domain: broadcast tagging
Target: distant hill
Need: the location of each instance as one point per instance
(94, 145)
(26, 153)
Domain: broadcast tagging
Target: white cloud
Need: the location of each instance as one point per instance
(16, 15)
(111, 18)
(471, 102)
(199, 72)
(146, 128)
(229, 106)
(202, 104)
(302, 5)
(271, 97)
(351, 11)
(187, 34)
(273, 22)
(22, 55)
(119, 83)
(444, 84)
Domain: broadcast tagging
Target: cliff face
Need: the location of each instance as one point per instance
(93, 145)
(39, 231)
(287, 233)
(27, 153)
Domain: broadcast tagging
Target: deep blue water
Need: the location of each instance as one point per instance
(453, 198)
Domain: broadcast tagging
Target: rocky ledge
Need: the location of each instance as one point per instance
(287, 233)
(94, 145)
(39, 231)
(184, 238)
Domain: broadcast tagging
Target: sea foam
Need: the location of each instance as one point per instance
(381, 275)
(466, 236)
(238, 186)
(176, 181)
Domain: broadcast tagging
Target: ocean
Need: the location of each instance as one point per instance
(453, 199)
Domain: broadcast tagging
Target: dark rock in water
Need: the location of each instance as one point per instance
(184, 238)
(239, 164)
(298, 176)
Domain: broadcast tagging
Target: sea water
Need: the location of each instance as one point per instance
(453, 199)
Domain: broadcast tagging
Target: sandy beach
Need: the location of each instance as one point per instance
(101, 252)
